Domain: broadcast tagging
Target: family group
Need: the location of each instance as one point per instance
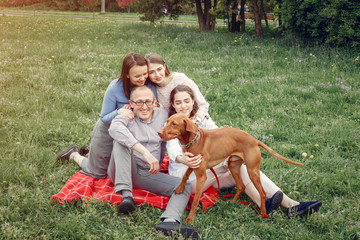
(125, 144)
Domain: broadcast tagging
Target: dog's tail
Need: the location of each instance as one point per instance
(275, 154)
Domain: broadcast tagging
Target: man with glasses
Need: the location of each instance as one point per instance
(135, 161)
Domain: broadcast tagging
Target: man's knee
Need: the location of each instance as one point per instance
(121, 149)
(188, 188)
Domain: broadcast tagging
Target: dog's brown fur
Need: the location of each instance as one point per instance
(215, 145)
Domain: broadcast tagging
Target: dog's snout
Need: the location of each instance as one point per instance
(161, 132)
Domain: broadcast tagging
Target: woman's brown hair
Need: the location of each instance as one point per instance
(130, 60)
(156, 58)
(188, 90)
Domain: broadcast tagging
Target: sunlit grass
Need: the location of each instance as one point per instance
(297, 99)
(34, 11)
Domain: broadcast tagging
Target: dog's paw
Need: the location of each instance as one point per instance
(180, 189)
(189, 219)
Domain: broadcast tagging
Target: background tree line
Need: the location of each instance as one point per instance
(333, 22)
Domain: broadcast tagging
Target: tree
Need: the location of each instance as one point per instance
(153, 10)
(125, 3)
(333, 22)
(91, 5)
(257, 18)
(264, 12)
(206, 12)
(102, 6)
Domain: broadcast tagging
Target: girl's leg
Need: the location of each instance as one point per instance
(222, 173)
(295, 208)
(101, 145)
(77, 158)
(269, 187)
(226, 181)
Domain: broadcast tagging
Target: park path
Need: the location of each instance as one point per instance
(3, 13)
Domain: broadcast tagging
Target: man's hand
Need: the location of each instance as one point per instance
(125, 111)
(153, 162)
(190, 160)
(148, 157)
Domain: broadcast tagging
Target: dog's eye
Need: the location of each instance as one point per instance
(173, 124)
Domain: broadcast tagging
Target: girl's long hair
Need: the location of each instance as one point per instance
(187, 89)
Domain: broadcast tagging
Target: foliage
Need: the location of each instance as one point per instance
(295, 98)
(153, 10)
(62, 5)
(91, 4)
(333, 22)
(17, 3)
(124, 3)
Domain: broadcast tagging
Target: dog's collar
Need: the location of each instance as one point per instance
(192, 141)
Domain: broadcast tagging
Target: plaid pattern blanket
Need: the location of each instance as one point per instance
(80, 187)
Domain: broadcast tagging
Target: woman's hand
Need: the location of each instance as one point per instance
(190, 160)
(125, 111)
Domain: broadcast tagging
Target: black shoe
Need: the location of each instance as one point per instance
(304, 208)
(174, 228)
(274, 202)
(84, 150)
(65, 155)
(126, 206)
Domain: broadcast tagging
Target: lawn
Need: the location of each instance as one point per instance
(32, 10)
(295, 98)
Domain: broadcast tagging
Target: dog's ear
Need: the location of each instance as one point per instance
(190, 126)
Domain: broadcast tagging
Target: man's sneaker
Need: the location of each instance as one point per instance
(304, 208)
(65, 155)
(84, 150)
(274, 202)
(173, 229)
(126, 206)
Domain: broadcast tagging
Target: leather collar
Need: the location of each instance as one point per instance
(197, 136)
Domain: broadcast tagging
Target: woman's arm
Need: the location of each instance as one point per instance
(109, 108)
(114, 99)
(203, 110)
(177, 155)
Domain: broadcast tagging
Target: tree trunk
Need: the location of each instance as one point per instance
(102, 6)
(233, 27)
(264, 12)
(257, 18)
(205, 18)
(242, 16)
(213, 16)
(280, 21)
(201, 18)
(228, 20)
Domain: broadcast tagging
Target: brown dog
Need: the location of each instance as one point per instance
(215, 145)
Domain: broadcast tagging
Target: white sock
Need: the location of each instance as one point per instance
(77, 158)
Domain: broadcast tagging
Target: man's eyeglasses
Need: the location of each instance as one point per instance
(147, 102)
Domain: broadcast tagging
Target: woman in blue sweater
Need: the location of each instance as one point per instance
(116, 99)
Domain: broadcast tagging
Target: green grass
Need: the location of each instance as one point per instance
(295, 98)
(33, 10)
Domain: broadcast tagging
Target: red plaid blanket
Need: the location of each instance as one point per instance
(81, 186)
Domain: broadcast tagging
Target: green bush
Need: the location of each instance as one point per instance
(334, 22)
(61, 5)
